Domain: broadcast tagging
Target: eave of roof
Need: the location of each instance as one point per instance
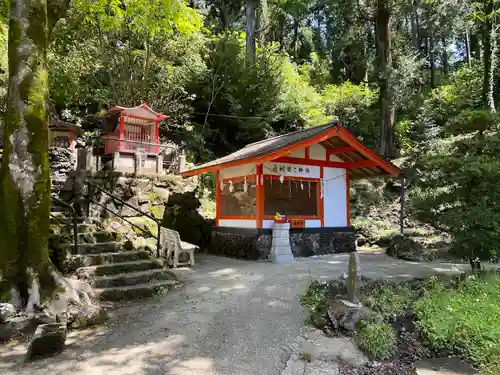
(362, 161)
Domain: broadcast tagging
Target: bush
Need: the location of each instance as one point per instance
(378, 340)
(315, 301)
(462, 320)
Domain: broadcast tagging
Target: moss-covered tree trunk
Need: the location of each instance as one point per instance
(24, 175)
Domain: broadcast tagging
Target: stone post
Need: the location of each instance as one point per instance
(281, 251)
(159, 164)
(354, 278)
(116, 162)
(84, 158)
(182, 162)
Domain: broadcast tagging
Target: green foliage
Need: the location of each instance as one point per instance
(463, 320)
(388, 299)
(378, 340)
(458, 192)
(315, 301)
(470, 121)
(353, 105)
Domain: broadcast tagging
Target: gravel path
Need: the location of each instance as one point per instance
(231, 318)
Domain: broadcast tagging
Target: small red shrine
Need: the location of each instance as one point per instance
(135, 129)
(132, 138)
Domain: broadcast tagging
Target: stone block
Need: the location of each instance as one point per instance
(48, 339)
(7, 312)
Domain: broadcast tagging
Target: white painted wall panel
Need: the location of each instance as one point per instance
(313, 223)
(237, 223)
(301, 153)
(238, 171)
(267, 223)
(335, 207)
(317, 152)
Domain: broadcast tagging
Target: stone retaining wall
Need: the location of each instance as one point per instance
(256, 246)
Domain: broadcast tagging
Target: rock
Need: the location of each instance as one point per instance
(351, 319)
(334, 349)
(322, 368)
(23, 325)
(347, 315)
(48, 340)
(361, 240)
(405, 248)
(443, 366)
(86, 316)
(7, 312)
(16, 327)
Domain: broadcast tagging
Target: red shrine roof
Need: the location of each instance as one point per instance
(360, 161)
(108, 121)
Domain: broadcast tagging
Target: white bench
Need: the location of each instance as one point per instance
(173, 247)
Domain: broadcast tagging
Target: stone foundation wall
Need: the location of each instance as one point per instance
(304, 244)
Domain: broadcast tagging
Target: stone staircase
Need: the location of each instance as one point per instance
(113, 267)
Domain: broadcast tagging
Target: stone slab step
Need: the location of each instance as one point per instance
(68, 229)
(116, 268)
(96, 248)
(126, 293)
(111, 258)
(58, 239)
(59, 218)
(97, 237)
(131, 278)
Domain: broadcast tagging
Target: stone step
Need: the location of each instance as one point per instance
(57, 239)
(58, 218)
(110, 258)
(68, 229)
(96, 248)
(116, 268)
(131, 278)
(126, 293)
(98, 237)
(56, 208)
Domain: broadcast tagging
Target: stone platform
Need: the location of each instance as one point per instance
(255, 244)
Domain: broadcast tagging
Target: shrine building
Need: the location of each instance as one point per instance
(304, 175)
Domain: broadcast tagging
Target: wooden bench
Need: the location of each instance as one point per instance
(173, 247)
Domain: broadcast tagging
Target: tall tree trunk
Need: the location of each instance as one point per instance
(295, 40)
(467, 47)
(475, 46)
(384, 65)
(446, 67)
(250, 29)
(24, 175)
(488, 36)
(414, 26)
(432, 59)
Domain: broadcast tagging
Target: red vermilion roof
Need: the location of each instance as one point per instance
(360, 161)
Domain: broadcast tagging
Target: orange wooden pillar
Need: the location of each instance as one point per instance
(259, 195)
(217, 197)
(348, 198)
(321, 200)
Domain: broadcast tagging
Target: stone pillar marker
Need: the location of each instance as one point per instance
(354, 278)
(281, 252)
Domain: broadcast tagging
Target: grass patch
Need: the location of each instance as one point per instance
(378, 340)
(306, 357)
(388, 299)
(462, 319)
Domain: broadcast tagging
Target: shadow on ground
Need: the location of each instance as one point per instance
(232, 317)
